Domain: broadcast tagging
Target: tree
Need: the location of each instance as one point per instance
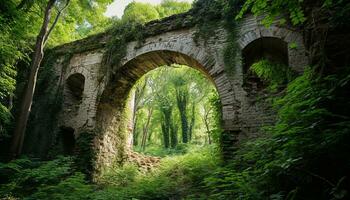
(182, 96)
(175, 94)
(173, 135)
(138, 96)
(146, 128)
(162, 93)
(166, 111)
(38, 54)
(48, 27)
(140, 12)
(145, 12)
(13, 47)
(171, 7)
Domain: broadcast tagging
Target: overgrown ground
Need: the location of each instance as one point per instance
(304, 155)
(177, 177)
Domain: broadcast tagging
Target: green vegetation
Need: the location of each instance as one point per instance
(145, 12)
(59, 179)
(303, 155)
(172, 105)
(20, 22)
(19, 26)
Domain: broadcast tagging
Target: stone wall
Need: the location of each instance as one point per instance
(106, 89)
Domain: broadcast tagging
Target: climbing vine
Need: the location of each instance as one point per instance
(122, 32)
(48, 103)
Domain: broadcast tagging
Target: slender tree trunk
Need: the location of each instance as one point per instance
(149, 135)
(134, 118)
(137, 96)
(173, 135)
(145, 129)
(135, 134)
(181, 98)
(21, 123)
(165, 131)
(208, 131)
(165, 125)
(193, 119)
(207, 126)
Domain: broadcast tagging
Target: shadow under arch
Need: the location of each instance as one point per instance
(74, 88)
(271, 48)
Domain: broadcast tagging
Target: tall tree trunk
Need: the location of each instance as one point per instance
(134, 118)
(135, 133)
(193, 119)
(181, 98)
(21, 123)
(206, 122)
(165, 125)
(208, 131)
(145, 129)
(165, 131)
(137, 96)
(173, 135)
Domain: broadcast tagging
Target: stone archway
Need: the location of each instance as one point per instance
(106, 87)
(110, 115)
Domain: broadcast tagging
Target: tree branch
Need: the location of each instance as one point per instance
(55, 21)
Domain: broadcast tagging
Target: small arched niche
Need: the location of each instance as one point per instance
(270, 48)
(75, 87)
(67, 140)
(275, 50)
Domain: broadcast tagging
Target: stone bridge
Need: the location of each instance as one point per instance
(95, 94)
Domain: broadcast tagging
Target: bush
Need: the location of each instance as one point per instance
(25, 177)
(304, 155)
(72, 188)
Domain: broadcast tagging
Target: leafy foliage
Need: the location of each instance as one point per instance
(25, 177)
(74, 187)
(276, 75)
(140, 12)
(172, 7)
(292, 161)
(302, 156)
(58, 179)
(181, 99)
(275, 9)
(20, 22)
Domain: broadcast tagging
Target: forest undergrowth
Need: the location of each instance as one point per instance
(303, 155)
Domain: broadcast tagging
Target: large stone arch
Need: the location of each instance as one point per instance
(106, 87)
(137, 63)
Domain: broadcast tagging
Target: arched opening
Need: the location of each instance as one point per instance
(75, 88)
(173, 108)
(67, 140)
(112, 121)
(271, 49)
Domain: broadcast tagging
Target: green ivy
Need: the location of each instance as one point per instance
(86, 152)
(275, 74)
(292, 160)
(123, 32)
